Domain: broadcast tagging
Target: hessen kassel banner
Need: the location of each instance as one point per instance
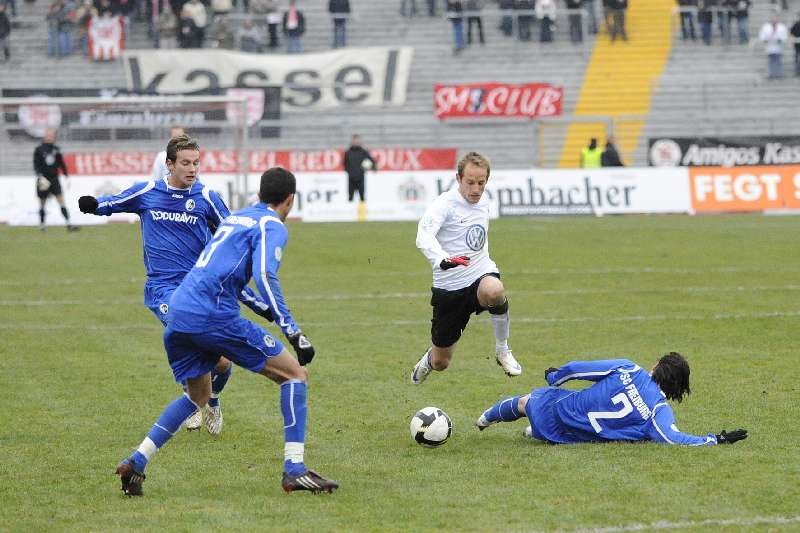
(743, 189)
(355, 77)
(724, 151)
(498, 100)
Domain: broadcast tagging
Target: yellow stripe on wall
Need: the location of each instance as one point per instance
(620, 78)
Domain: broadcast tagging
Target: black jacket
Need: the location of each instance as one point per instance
(610, 157)
(353, 159)
(47, 160)
(5, 25)
(301, 25)
(339, 6)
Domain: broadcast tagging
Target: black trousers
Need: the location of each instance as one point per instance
(354, 184)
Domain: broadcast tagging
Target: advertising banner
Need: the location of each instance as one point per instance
(724, 151)
(95, 122)
(353, 77)
(497, 100)
(743, 189)
(106, 38)
(225, 161)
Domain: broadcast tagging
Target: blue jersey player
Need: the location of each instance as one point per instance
(178, 215)
(625, 403)
(205, 321)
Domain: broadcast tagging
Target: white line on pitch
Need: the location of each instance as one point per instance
(683, 524)
(404, 295)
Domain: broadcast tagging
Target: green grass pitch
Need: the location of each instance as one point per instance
(84, 376)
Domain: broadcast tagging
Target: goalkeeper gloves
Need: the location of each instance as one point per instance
(87, 204)
(302, 347)
(733, 436)
(452, 262)
(548, 371)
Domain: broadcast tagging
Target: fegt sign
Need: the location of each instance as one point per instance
(718, 189)
(373, 76)
(501, 100)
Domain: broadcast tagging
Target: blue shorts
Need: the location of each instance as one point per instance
(540, 411)
(156, 298)
(192, 355)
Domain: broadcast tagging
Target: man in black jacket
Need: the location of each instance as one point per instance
(5, 31)
(339, 10)
(356, 162)
(795, 31)
(610, 156)
(47, 161)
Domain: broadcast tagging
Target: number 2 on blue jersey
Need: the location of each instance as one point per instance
(620, 398)
(222, 233)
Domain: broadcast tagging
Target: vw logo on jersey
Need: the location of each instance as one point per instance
(163, 308)
(476, 237)
(269, 341)
(190, 204)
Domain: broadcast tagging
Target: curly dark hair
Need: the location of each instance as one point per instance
(672, 376)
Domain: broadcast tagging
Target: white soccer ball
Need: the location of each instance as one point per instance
(431, 427)
(366, 164)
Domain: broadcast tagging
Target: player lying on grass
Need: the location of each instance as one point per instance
(625, 403)
(178, 215)
(205, 321)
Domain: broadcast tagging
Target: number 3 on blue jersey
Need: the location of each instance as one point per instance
(222, 233)
(620, 398)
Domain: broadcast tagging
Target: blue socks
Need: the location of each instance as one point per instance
(218, 382)
(504, 411)
(293, 408)
(165, 427)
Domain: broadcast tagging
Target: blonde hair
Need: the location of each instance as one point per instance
(476, 159)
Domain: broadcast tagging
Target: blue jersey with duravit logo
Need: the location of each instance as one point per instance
(176, 223)
(248, 244)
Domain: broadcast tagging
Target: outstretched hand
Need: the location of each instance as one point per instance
(302, 347)
(87, 204)
(731, 437)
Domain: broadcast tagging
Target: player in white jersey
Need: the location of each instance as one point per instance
(453, 236)
(160, 169)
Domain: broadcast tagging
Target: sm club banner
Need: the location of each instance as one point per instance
(497, 100)
(106, 38)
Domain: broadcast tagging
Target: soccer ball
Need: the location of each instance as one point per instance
(431, 427)
(366, 164)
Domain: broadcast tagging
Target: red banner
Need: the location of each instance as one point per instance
(215, 161)
(106, 38)
(493, 99)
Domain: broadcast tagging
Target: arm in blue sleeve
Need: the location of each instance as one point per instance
(249, 298)
(266, 260)
(588, 370)
(127, 201)
(663, 429)
(218, 211)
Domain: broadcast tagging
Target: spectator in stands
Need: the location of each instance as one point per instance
(5, 31)
(742, 16)
(104, 8)
(591, 155)
(455, 12)
(83, 19)
(546, 12)
(356, 163)
(591, 15)
(474, 8)
(774, 34)
(294, 26)
(125, 9)
(617, 13)
(408, 8)
(431, 8)
(575, 19)
(250, 37)
(607, 15)
(524, 18)
(223, 36)
(506, 17)
(704, 18)
(194, 20)
(610, 156)
(795, 31)
(10, 8)
(55, 46)
(220, 8)
(687, 11)
(340, 11)
(267, 11)
(167, 29)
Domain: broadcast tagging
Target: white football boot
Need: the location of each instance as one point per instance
(422, 368)
(194, 421)
(509, 364)
(212, 418)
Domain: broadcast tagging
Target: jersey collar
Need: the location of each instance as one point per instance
(171, 188)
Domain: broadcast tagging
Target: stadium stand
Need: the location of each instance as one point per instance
(680, 87)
